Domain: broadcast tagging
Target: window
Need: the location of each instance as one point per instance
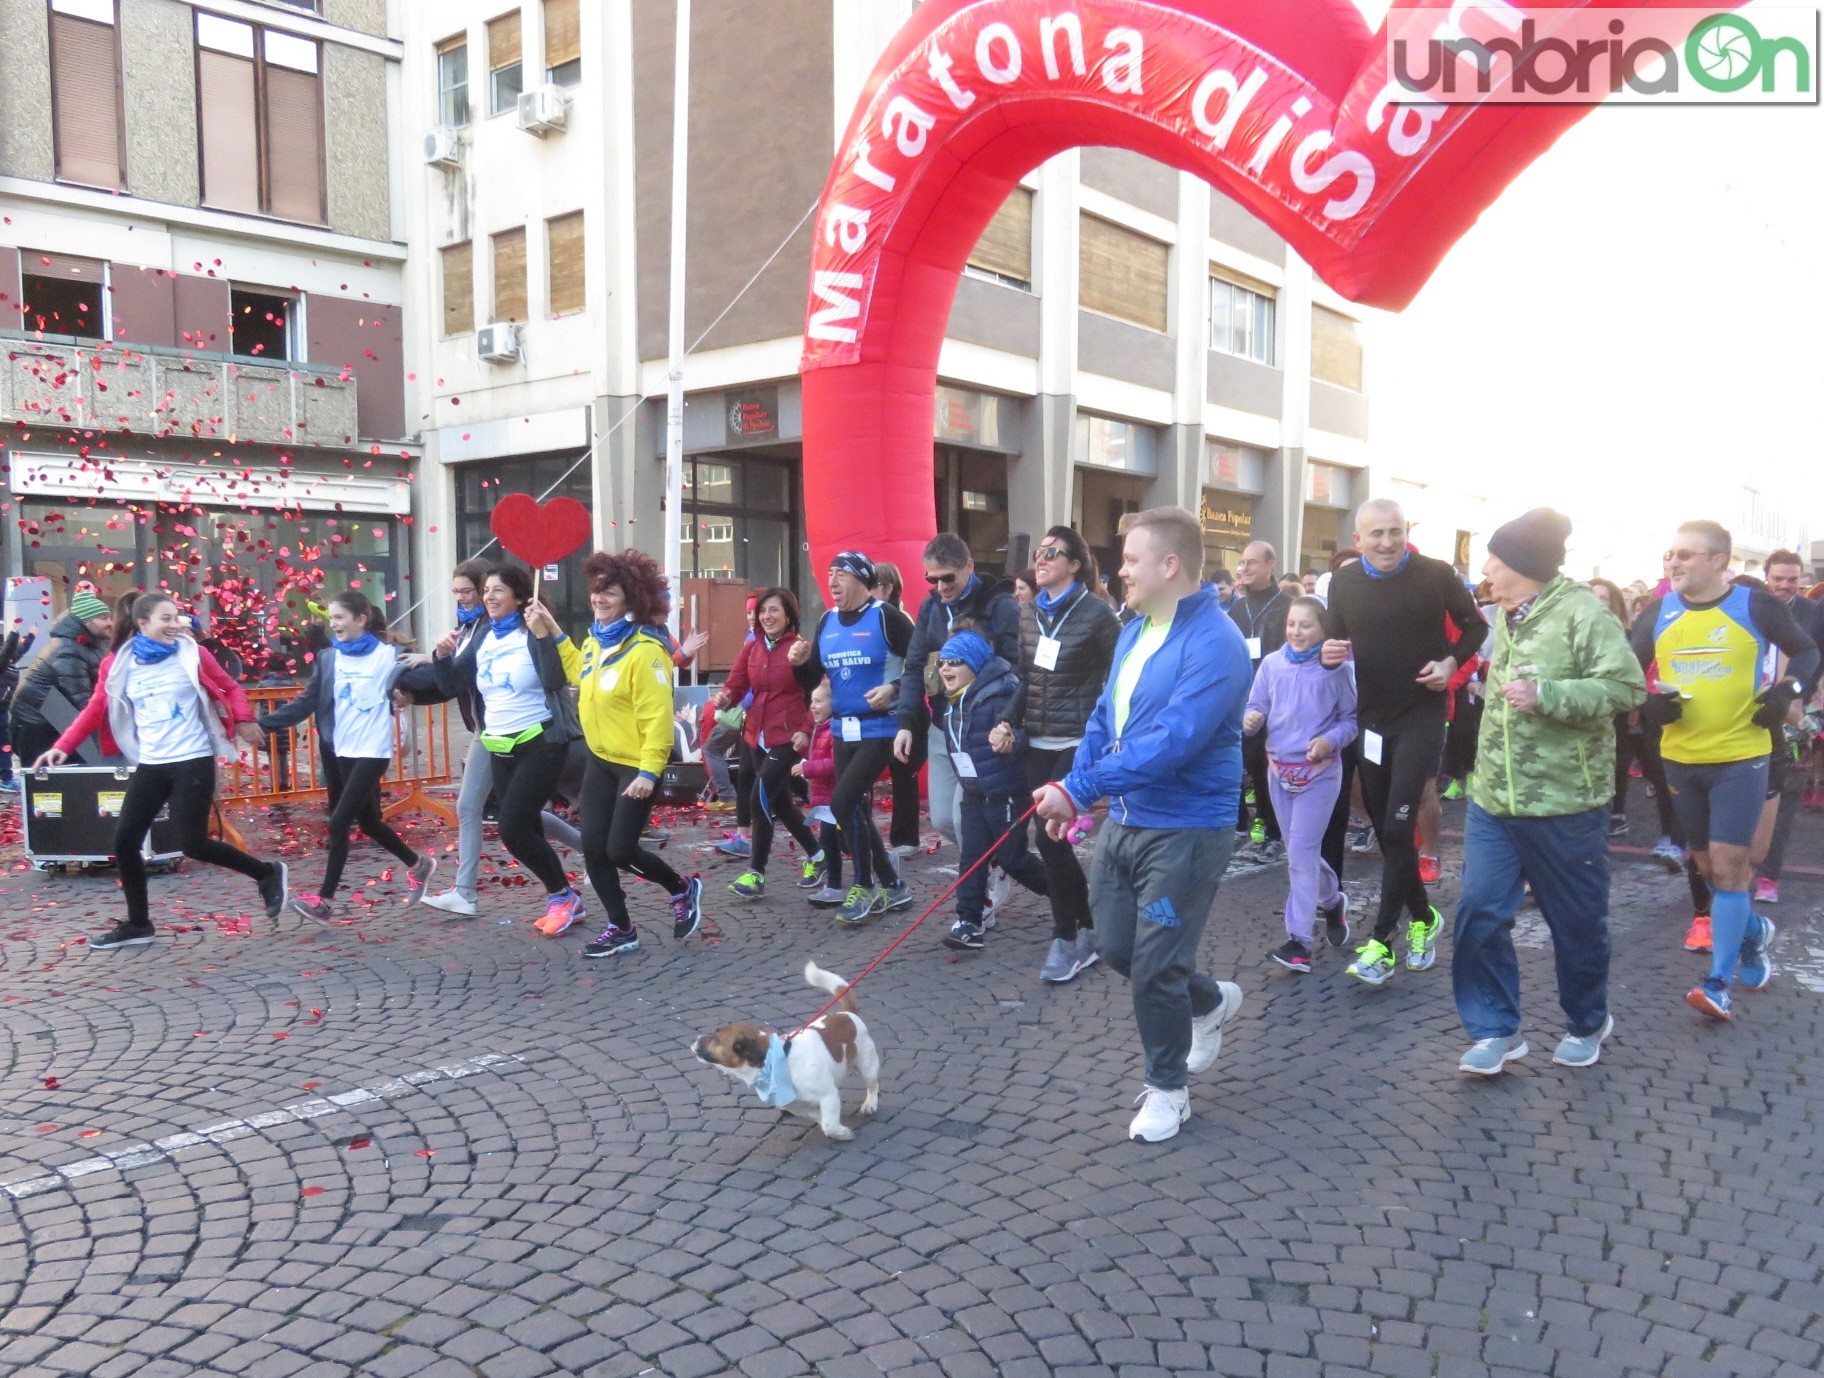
(1241, 318)
(1336, 348)
(453, 81)
(563, 43)
(505, 76)
(510, 276)
(458, 288)
(1122, 273)
(738, 520)
(1004, 252)
(261, 97)
(564, 262)
(63, 295)
(86, 93)
(262, 324)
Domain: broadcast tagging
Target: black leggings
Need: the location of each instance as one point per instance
(612, 824)
(1643, 746)
(858, 766)
(1461, 736)
(189, 787)
(524, 781)
(773, 798)
(1068, 886)
(1254, 766)
(1336, 836)
(904, 832)
(1392, 791)
(357, 805)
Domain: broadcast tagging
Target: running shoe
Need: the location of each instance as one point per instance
(735, 845)
(687, 909)
(124, 934)
(1697, 936)
(614, 940)
(964, 937)
(1362, 838)
(749, 885)
(275, 889)
(1336, 922)
(1618, 825)
(1454, 790)
(1431, 869)
(1583, 1050)
(858, 907)
(1061, 964)
(1766, 891)
(1489, 1057)
(452, 902)
(1088, 954)
(812, 874)
(1711, 997)
(1669, 854)
(1271, 852)
(560, 912)
(1293, 956)
(312, 907)
(1754, 969)
(1257, 834)
(898, 895)
(418, 881)
(1422, 941)
(1373, 964)
(1000, 889)
(827, 898)
(1206, 1031)
(1161, 1114)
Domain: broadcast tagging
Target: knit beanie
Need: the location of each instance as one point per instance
(85, 606)
(855, 563)
(970, 647)
(1532, 544)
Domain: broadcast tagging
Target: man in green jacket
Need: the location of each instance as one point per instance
(1562, 669)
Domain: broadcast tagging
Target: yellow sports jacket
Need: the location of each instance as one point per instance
(624, 699)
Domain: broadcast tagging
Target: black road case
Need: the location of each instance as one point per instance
(69, 815)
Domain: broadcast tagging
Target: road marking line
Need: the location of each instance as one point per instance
(226, 1131)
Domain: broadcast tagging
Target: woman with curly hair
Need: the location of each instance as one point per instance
(624, 679)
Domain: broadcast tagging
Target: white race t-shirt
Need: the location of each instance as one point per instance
(511, 695)
(167, 713)
(364, 709)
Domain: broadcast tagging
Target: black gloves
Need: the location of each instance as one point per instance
(1775, 703)
(1660, 709)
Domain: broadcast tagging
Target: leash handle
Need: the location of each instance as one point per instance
(930, 909)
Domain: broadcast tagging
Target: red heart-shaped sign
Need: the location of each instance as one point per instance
(541, 533)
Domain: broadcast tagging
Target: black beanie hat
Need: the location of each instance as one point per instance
(1533, 543)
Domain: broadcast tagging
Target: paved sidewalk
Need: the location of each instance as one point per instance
(425, 1145)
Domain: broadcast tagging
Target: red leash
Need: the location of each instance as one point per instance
(929, 911)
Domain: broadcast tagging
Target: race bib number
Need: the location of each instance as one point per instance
(964, 763)
(1046, 657)
(851, 729)
(1371, 747)
(1253, 648)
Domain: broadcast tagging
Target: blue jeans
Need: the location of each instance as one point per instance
(1566, 860)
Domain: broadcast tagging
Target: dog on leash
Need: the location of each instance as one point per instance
(817, 1061)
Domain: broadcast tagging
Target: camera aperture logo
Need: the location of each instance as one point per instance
(1489, 52)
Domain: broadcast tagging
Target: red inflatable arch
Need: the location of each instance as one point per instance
(1284, 106)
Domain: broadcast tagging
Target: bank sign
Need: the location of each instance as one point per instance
(1493, 53)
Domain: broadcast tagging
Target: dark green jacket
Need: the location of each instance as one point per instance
(1558, 759)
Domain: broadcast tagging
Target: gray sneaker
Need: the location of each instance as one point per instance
(1087, 952)
(1271, 852)
(1583, 1051)
(858, 906)
(897, 896)
(1062, 964)
(1489, 1058)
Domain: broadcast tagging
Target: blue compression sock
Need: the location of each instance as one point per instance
(1730, 916)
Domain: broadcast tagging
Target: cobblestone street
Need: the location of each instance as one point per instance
(417, 1145)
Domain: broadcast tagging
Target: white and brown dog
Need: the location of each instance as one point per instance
(817, 1060)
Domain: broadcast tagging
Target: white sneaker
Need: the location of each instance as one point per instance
(452, 902)
(1206, 1033)
(1000, 887)
(1161, 1113)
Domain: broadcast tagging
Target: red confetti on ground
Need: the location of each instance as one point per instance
(311, 1191)
(50, 1083)
(312, 1085)
(89, 1134)
(425, 1153)
(359, 1143)
(46, 1129)
(282, 1034)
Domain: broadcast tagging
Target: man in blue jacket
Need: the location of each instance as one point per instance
(1163, 746)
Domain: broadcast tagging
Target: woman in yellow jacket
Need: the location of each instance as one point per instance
(623, 675)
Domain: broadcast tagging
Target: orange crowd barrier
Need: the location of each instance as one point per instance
(288, 768)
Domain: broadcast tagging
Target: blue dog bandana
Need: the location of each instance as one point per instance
(774, 1084)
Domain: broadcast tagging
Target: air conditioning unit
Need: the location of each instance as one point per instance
(443, 147)
(543, 109)
(497, 343)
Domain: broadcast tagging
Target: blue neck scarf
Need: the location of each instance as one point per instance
(613, 634)
(1303, 657)
(1374, 573)
(1047, 603)
(360, 646)
(465, 617)
(149, 652)
(505, 626)
(774, 1084)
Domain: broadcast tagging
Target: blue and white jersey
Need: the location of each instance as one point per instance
(364, 705)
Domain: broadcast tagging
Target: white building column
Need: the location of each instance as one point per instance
(1181, 462)
(1280, 516)
(628, 481)
(1039, 482)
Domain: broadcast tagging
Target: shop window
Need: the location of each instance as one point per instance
(738, 520)
(63, 295)
(86, 93)
(506, 77)
(1004, 252)
(1122, 273)
(481, 485)
(262, 325)
(1336, 348)
(453, 81)
(1241, 317)
(563, 43)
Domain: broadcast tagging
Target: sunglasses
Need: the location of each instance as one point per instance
(953, 665)
(945, 579)
(1685, 556)
(1050, 552)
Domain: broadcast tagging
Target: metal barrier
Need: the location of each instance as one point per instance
(287, 769)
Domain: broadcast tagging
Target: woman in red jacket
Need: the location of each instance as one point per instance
(776, 735)
(171, 709)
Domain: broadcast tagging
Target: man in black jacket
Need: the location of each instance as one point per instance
(1259, 609)
(69, 664)
(957, 594)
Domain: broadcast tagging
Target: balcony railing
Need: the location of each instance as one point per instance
(185, 394)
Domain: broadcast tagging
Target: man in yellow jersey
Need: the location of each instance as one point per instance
(1710, 651)
(1163, 746)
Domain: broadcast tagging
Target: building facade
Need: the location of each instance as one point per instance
(201, 296)
(1124, 335)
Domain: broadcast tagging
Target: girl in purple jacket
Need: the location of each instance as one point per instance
(1309, 716)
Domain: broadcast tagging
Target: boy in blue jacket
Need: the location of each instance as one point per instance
(980, 689)
(1163, 746)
